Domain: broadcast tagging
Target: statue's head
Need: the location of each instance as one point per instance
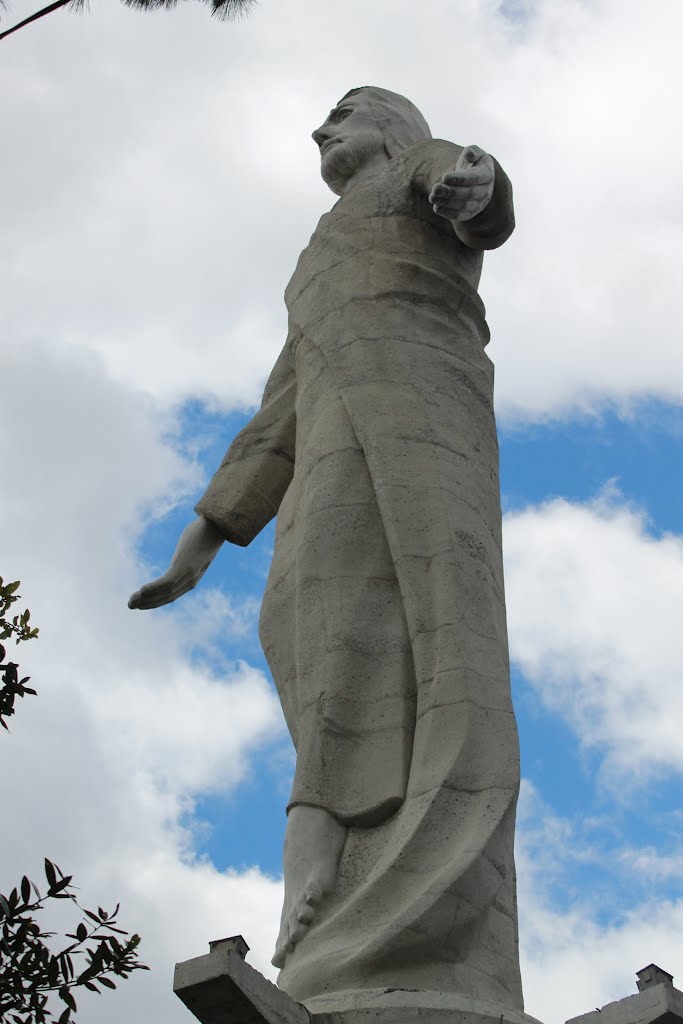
(367, 125)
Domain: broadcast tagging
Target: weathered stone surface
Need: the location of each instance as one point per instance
(383, 620)
(221, 988)
(657, 1002)
(414, 1006)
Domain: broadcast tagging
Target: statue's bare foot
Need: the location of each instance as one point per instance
(314, 841)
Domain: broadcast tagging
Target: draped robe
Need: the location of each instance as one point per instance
(383, 620)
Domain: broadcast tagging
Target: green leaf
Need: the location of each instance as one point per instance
(107, 982)
(53, 970)
(66, 997)
(58, 886)
(50, 873)
(67, 966)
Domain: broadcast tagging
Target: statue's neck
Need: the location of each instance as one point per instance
(369, 169)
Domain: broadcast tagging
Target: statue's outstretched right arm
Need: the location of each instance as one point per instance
(246, 490)
(196, 549)
(243, 495)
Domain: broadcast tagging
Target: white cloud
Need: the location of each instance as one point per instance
(585, 298)
(162, 183)
(103, 766)
(579, 965)
(158, 184)
(594, 602)
(649, 863)
(208, 616)
(585, 954)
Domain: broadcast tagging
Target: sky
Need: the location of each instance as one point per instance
(157, 184)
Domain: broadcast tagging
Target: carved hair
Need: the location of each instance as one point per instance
(398, 119)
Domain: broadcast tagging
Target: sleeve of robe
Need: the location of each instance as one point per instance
(494, 225)
(245, 492)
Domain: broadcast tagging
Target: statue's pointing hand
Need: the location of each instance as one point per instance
(463, 193)
(197, 547)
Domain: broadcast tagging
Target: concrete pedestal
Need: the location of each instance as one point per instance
(657, 1002)
(221, 988)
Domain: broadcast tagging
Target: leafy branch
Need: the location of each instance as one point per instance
(18, 628)
(30, 972)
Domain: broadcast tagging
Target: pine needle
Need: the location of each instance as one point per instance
(224, 10)
(34, 17)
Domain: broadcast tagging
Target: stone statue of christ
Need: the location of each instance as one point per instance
(383, 620)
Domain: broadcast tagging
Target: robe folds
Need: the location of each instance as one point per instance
(383, 620)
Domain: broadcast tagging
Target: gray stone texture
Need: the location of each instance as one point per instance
(220, 988)
(657, 1002)
(383, 620)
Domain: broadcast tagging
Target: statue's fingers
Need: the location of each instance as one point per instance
(468, 176)
(439, 191)
(148, 597)
(158, 592)
(154, 601)
(470, 155)
(461, 193)
(175, 587)
(462, 203)
(146, 593)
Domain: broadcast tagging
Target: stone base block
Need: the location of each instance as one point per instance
(410, 1006)
(656, 1004)
(220, 988)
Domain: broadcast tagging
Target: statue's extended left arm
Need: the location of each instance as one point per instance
(476, 196)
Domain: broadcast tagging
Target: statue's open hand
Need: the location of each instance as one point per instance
(196, 549)
(463, 193)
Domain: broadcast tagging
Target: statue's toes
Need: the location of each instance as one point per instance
(313, 894)
(297, 931)
(301, 920)
(305, 913)
(297, 924)
(283, 946)
(278, 958)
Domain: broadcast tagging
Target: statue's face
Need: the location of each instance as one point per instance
(348, 139)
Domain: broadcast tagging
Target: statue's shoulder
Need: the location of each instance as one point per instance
(428, 157)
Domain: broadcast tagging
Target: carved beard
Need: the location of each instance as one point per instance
(342, 160)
